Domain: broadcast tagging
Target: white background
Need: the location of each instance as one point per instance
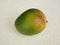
(11, 9)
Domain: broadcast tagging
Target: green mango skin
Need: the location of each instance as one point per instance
(26, 25)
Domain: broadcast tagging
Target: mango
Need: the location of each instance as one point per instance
(31, 22)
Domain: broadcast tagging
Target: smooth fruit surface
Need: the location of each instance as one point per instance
(31, 22)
